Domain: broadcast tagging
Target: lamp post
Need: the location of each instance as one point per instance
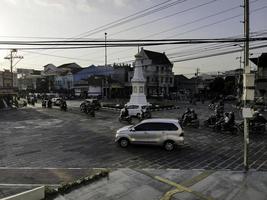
(105, 49)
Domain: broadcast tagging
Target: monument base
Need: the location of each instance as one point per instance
(138, 100)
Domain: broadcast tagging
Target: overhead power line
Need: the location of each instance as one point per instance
(218, 54)
(162, 18)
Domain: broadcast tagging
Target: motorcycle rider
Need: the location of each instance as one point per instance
(192, 115)
(226, 121)
(63, 104)
(124, 113)
(189, 116)
(258, 118)
(49, 103)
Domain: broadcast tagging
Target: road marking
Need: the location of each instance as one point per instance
(48, 168)
(183, 187)
(27, 185)
(198, 178)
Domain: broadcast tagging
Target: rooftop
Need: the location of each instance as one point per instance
(157, 58)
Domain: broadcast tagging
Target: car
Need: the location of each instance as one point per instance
(230, 98)
(56, 101)
(136, 110)
(164, 132)
(94, 102)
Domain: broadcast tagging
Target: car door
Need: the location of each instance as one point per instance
(140, 133)
(156, 132)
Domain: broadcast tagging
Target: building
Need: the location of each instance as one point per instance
(105, 81)
(8, 81)
(29, 80)
(8, 87)
(65, 79)
(261, 75)
(157, 70)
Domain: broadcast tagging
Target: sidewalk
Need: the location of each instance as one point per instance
(151, 184)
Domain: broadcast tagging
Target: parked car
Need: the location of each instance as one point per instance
(164, 132)
(136, 110)
(94, 102)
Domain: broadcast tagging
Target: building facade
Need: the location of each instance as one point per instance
(157, 70)
(261, 76)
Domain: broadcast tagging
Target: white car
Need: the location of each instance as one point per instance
(165, 132)
(136, 110)
(56, 100)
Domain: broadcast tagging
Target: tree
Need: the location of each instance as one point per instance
(217, 86)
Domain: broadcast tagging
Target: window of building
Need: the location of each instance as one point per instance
(147, 79)
(170, 80)
(141, 89)
(135, 89)
(161, 80)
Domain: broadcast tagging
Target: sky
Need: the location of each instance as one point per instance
(48, 19)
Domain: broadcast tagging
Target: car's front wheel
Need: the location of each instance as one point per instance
(124, 142)
(169, 145)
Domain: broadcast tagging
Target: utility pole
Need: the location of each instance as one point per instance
(105, 49)
(11, 57)
(248, 86)
(196, 82)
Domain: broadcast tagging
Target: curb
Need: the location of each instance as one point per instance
(51, 193)
(154, 109)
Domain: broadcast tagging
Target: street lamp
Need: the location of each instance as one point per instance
(105, 49)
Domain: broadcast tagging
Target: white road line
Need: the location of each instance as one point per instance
(27, 185)
(45, 168)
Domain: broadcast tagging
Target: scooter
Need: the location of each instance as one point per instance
(63, 106)
(192, 123)
(90, 111)
(144, 115)
(125, 118)
(234, 128)
(254, 128)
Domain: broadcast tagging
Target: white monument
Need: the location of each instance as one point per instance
(138, 96)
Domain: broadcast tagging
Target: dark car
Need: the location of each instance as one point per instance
(230, 98)
(94, 102)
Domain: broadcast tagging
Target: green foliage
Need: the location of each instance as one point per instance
(51, 193)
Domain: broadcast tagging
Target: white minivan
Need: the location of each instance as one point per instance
(165, 132)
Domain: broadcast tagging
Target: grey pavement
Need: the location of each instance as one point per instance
(13, 180)
(161, 184)
(36, 137)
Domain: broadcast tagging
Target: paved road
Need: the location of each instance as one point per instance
(39, 138)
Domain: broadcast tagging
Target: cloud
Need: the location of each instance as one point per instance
(61, 4)
(13, 2)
